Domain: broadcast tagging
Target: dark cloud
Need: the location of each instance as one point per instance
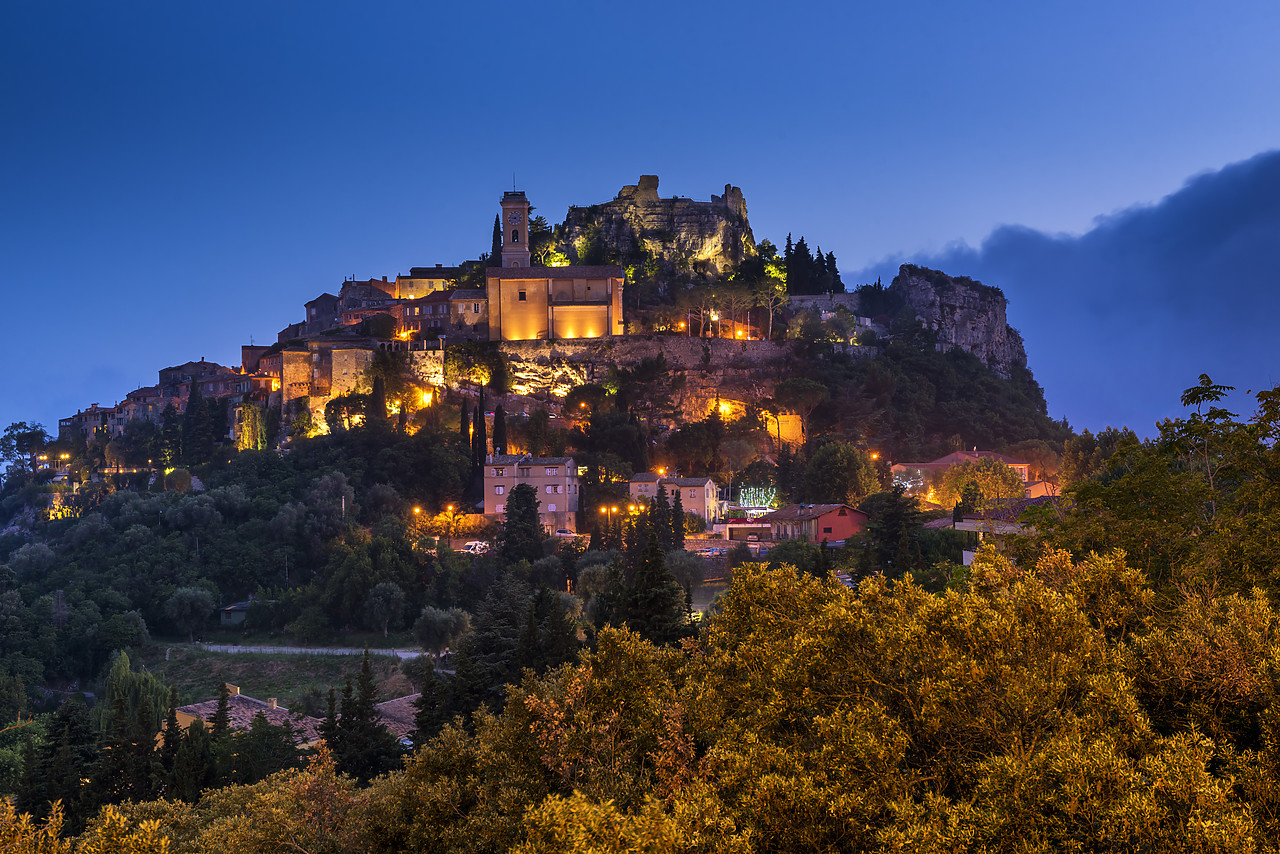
(1119, 320)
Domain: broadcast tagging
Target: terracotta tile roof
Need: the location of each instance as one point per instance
(644, 477)
(688, 481)
(519, 459)
(397, 715)
(571, 272)
(242, 710)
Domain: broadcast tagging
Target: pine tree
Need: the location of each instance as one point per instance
(429, 715)
(655, 606)
(193, 766)
(522, 533)
(362, 746)
(834, 272)
(499, 430)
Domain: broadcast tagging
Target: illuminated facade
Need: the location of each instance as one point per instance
(554, 479)
(529, 303)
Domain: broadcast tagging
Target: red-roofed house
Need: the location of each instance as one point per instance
(816, 522)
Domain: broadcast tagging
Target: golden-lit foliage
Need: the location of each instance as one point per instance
(1055, 706)
(20, 835)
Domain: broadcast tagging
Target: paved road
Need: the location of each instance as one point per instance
(308, 650)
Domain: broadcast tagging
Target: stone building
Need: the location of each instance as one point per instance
(698, 495)
(529, 303)
(555, 479)
(458, 314)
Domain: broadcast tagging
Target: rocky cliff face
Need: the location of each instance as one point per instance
(675, 234)
(965, 314)
(707, 369)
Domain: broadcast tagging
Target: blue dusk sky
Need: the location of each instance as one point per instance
(177, 179)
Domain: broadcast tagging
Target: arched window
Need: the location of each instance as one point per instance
(515, 235)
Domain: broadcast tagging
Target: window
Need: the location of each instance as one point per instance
(826, 530)
(553, 489)
(523, 296)
(499, 472)
(551, 472)
(475, 308)
(551, 508)
(524, 472)
(692, 493)
(515, 235)
(499, 510)
(498, 490)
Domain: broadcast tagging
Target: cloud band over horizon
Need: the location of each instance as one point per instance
(1119, 320)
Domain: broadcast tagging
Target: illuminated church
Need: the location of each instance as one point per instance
(528, 303)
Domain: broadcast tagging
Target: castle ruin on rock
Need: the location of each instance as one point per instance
(677, 234)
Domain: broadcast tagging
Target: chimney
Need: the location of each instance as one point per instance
(271, 702)
(439, 265)
(384, 278)
(233, 690)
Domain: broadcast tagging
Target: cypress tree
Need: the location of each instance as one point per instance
(499, 430)
(677, 521)
(466, 421)
(197, 435)
(834, 272)
(478, 440)
(660, 515)
(377, 411)
(221, 723)
(172, 734)
(495, 251)
(329, 727)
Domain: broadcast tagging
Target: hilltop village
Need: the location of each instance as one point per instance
(542, 311)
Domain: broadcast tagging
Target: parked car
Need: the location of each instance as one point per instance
(564, 532)
(475, 547)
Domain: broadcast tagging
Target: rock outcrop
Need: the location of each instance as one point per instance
(702, 370)
(965, 314)
(674, 235)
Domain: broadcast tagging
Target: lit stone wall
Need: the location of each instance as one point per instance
(347, 368)
(579, 321)
(521, 319)
(295, 374)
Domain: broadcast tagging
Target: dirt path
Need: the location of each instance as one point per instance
(307, 650)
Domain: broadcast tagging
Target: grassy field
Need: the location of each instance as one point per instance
(296, 680)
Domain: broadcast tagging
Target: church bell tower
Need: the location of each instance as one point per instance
(515, 229)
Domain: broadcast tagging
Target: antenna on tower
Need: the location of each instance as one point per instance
(513, 181)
